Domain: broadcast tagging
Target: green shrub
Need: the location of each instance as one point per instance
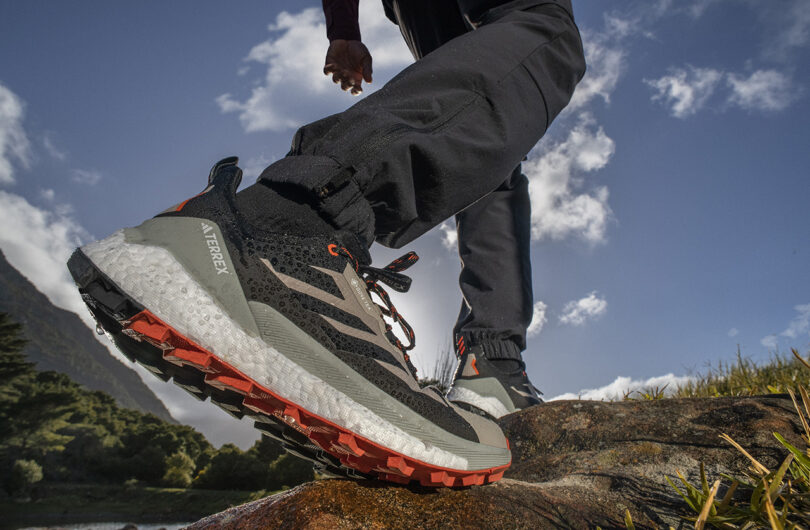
(24, 474)
(179, 470)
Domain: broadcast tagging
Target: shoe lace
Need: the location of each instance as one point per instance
(391, 275)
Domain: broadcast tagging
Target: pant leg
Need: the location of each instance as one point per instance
(426, 24)
(443, 133)
(496, 277)
(494, 232)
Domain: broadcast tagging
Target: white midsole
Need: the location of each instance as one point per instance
(154, 278)
(490, 405)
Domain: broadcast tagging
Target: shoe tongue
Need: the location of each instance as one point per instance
(226, 175)
(355, 245)
(506, 366)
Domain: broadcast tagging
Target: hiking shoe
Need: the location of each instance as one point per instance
(287, 324)
(481, 385)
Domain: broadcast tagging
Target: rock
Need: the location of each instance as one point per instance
(576, 464)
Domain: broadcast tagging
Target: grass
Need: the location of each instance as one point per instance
(78, 503)
(765, 498)
(744, 377)
(741, 377)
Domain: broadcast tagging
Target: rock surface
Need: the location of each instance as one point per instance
(576, 464)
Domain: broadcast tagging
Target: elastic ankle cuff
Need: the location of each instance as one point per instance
(491, 348)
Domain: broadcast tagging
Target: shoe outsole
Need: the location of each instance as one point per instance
(144, 338)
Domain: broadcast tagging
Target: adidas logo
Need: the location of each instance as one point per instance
(214, 249)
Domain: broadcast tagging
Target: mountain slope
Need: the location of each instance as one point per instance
(60, 341)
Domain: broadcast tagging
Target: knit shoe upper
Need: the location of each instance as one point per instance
(481, 384)
(288, 321)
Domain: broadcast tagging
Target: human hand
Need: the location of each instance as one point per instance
(349, 63)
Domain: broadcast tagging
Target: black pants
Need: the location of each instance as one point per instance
(445, 137)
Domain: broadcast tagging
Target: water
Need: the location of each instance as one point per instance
(111, 526)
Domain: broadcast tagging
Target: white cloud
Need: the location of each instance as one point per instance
(47, 194)
(800, 325)
(685, 91)
(733, 332)
(762, 90)
(699, 7)
(254, 166)
(606, 62)
(771, 342)
(14, 143)
(559, 207)
(539, 319)
(576, 312)
(38, 243)
(449, 235)
(89, 177)
(50, 147)
(622, 386)
(294, 56)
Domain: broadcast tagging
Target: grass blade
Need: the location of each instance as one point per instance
(707, 506)
(759, 467)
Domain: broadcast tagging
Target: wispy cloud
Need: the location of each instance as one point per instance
(625, 385)
(253, 167)
(800, 325)
(787, 27)
(47, 194)
(296, 51)
(768, 90)
(685, 91)
(606, 60)
(577, 312)
(560, 206)
(449, 235)
(797, 329)
(52, 149)
(88, 177)
(539, 319)
(771, 342)
(14, 145)
(733, 332)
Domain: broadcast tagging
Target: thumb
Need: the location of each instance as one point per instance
(367, 68)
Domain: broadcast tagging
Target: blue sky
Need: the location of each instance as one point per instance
(670, 200)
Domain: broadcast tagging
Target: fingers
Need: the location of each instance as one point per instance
(348, 81)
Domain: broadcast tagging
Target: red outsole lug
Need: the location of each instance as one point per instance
(397, 464)
(349, 443)
(351, 450)
(440, 478)
(226, 382)
(198, 360)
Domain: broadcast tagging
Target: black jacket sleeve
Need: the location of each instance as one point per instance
(341, 19)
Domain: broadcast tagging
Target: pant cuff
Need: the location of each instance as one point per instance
(335, 192)
(491, 348)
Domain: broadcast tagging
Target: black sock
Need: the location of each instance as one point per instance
(288, 210)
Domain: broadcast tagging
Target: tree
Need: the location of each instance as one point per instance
(179, 470)
(232, 469)
(289, 471)
(266, 450)
(12, 360)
